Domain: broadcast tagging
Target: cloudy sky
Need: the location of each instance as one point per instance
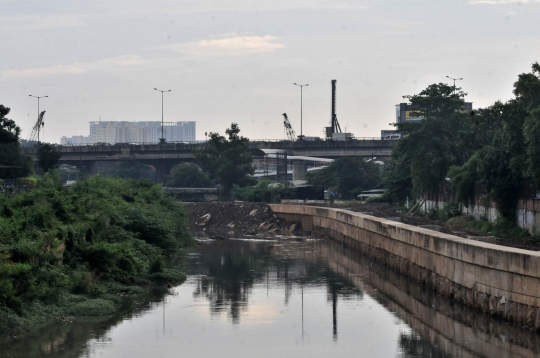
(236, 60)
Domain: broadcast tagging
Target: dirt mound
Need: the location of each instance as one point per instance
(221, 220)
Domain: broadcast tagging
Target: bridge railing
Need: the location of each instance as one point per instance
(357, 142)
(316, 141)
(188, 146)
(119, 147)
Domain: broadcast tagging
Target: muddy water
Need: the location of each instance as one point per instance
(285, 298)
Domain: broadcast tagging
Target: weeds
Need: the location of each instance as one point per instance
(502, 227)
(94, 239)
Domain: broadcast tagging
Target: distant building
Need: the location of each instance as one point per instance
(407, 112)
(75, 140)
(141, 132)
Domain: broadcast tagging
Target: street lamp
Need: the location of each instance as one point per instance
(162, 139)
(301, 88)
(39, 124)
(455, 79)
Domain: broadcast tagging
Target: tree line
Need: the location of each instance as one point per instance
(497, 146)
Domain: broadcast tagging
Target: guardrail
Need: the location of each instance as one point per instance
(118, 147)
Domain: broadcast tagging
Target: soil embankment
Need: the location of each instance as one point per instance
(223, 220)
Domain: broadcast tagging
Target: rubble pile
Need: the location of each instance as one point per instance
(222, 220)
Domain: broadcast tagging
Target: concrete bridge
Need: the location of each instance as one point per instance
(164, 156)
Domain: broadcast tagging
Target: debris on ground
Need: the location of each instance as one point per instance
(223, 220)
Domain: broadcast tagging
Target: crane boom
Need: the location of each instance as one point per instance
(34, 136)
(291, 135)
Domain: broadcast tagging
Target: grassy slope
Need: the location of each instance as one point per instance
(76, 251)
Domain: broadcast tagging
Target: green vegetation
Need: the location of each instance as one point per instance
(227, 160)
(189, 176)
(48, 157)
(69, 172)
(134, 170)
(264, 192)
(500, 228)
(10, 149)
(347, 176)
(496, 146)
(73, 250)
(429, 147)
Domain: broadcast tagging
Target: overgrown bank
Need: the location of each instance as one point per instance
(78, 250)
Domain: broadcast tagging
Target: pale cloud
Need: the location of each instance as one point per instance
(235, 45)
(39, 22)
(192, 6)
(115, 63)
(502, 2)
(45, 71)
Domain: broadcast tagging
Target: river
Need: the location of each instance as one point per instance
(290, 297)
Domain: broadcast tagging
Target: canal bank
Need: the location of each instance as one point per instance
(499, 280)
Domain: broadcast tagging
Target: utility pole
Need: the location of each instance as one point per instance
(455, 79)
(162, 139)
(301, 88)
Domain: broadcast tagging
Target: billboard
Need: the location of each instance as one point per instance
(414, 115)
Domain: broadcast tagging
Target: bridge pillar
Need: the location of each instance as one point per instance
(86, 167)
(163, 169)
(299, 171)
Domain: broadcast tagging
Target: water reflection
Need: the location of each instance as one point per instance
(74, 339)
(412, 345)
(228, 270)
(227, 273)
(287, 298)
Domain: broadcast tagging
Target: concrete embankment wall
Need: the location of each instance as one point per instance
(456, 330)
(496, 279)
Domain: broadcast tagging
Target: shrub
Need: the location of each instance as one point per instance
(89, 239)
(93, 307)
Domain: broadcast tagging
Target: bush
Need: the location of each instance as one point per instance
(89, 239)
(168, 276)
(94, 307)
(263, 192)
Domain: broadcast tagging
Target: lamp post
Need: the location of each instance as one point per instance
(162, 139)
(39, 124)
(455, 79)
(301, 88)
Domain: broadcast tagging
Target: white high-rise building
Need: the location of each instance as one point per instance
(141, 132)
(75, 140)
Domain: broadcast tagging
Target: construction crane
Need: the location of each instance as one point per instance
(34, 136)
(291, 135)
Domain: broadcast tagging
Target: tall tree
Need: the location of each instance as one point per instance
(430, 146)
(189, 175)
(227, 160)
(527, 89)
(48, 156)
(507, 152)
(10, 149)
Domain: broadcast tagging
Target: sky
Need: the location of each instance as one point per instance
(236, 61)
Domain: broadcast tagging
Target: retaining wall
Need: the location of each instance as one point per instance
(499, 280)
